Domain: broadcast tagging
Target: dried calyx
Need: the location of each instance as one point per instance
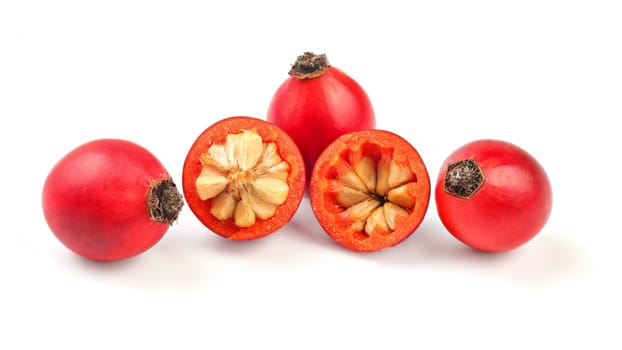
(245, 178)
(373, 192)
(164, 201)
(309, 65)
(464, 178)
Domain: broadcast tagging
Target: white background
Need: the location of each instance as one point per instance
(543, 74)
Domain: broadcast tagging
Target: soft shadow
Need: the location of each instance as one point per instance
(297, 242)
(427, 245)
(166, 266)
(305, 226)
(229, 246)
(546, 257)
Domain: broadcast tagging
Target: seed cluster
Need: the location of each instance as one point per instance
(373, 193)
(245, 178)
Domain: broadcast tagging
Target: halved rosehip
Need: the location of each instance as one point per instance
(243, 178)
(370, 190)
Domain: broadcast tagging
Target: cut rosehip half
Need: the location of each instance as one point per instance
(370, 190)
(243, 178)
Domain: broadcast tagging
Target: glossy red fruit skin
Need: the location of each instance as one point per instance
(316, 111)
(95, 200)
(510, 208)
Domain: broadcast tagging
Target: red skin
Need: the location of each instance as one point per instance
(315, 112)
(95, 200)
(512, 206)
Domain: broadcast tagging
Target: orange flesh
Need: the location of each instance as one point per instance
(388, 151)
